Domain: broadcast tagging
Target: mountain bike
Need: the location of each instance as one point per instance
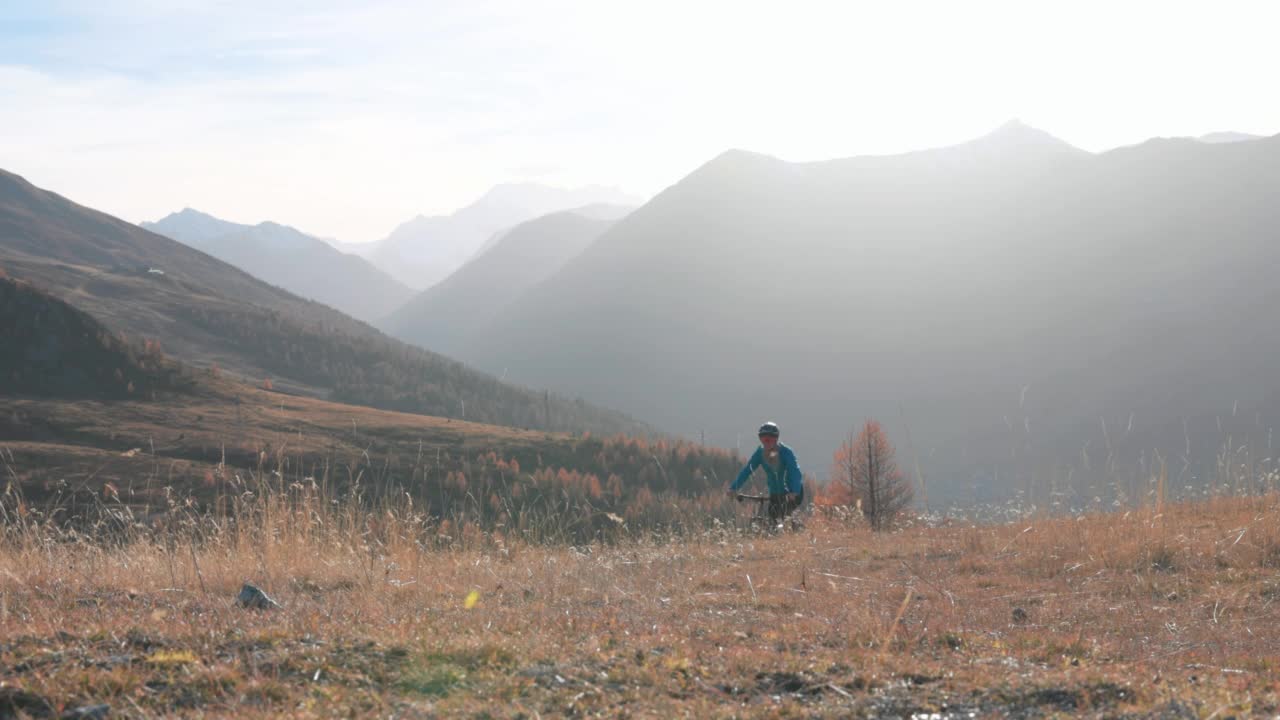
(760, 522)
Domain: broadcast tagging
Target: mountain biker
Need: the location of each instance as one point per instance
(786, 483)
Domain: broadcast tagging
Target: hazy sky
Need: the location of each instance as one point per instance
(346, 118)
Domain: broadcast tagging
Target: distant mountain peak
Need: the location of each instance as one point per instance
(1227, 136)
(185, 214)
(736, 161)
(425, 250)
(192, 226)
(289, 258)
(536, 198)
(734, 155)
(1018, 135)
(1016, 125)
(502, 190)
(277, 227)
(189, 226)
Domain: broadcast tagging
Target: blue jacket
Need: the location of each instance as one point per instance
(788, 480)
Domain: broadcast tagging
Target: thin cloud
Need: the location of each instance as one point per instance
(349, 119)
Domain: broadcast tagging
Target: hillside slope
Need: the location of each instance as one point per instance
(81, 405)
(51, 348)
(204, 443)
(444, 316)
(205, 312)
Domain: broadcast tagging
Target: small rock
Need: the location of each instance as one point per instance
(537, 672)
(138, 639)
(1019, 615)
(544, 675)
(16, 702)
(251, 597)
(88, 712)
(779, 683)
(111, 661)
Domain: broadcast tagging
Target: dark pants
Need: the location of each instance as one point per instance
(781, 506)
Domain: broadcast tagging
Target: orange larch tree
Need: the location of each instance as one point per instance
(864, 472)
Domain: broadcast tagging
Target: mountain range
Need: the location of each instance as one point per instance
(1021, 313)
(1228, 136)
(425, 250)
(284, 256)
(1010, 301)
(81, 403)
(213, 316)
(444, 316)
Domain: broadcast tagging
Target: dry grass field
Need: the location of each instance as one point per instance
(1172, 613)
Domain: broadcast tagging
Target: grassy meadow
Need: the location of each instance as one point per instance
(1169, 612)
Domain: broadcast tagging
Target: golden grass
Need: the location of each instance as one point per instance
(1109, 614)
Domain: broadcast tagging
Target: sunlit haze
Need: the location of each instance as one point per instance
(347, 119)
(657, 358)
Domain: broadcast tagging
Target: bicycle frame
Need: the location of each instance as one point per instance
(759, 520)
